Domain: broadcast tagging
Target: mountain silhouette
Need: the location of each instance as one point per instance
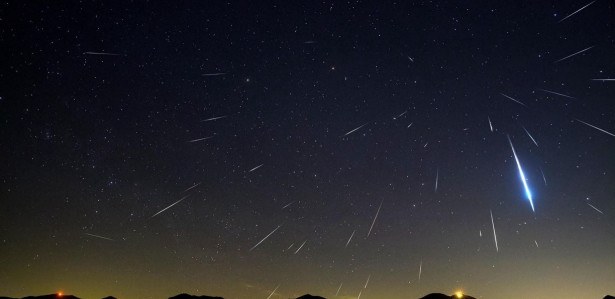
(442, 296)
(187, 296)
(50, 296)
(608, 297)
(308, 296)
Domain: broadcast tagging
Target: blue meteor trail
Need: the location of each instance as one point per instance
(522, 175)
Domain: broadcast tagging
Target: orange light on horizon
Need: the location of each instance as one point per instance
(60, 294)
(459, 294)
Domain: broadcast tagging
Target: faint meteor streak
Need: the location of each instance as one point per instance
(528, 193)
(396, 117)
(348, 242)
(276, 288)
(530, 135)
(355, 129)
(410, 125)
(578, 10)
(170, 206)
(338, 289)
(543, 175)
(213, 74)
(297, 251)
(594, 208)
(557, 93)
(265, 238)
(359, 297)
(437, 176)
(490, 125)
(495, 237)
(420, 269)
(512, 99)
(102, 53)
(288, 205)
(574, 54)
(536, 244)
(601, 130)
(100, 237)
(604, 79)
(255, 168)
(375, 217)
(214, 118)
(365, 287)
(199, 139)
(193, 186)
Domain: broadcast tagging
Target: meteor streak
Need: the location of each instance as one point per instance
(338, 290)
(357, 128)
(396, 117)
(375, 217)
(490, 125)
(516, 101)
(100, 237)
(255, 168)
(300, 247)
(530, 135)
(420, 269)
(495, 237)
(573, 54)
(572, 14)
(101, 53)
(199, 139)
(214, 118)
(350, 238)
(437, 176)
(594, 208)
(604, 80)
(170, 206)
(213, 74)
(365, 287)
(557, 93)
(522, 175)
(288, 205)
(193, 186)
(276, 288)
(265, 238)
(601, 130)
(410, 125)
(543, 176)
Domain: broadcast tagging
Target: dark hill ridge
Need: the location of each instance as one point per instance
(50, 296)
(187, 296)
(442, 296)
(308, 296)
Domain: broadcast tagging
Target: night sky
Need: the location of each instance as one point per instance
(351, 148)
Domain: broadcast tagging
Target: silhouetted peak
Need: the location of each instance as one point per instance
(608, 297)
(109, 297)
(442, 296)
(308, 296)
(52, 296)
(187, 296)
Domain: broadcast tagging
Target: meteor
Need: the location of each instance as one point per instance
(604, 80)
(199, 139)
(573, 54)
(265, 238)
(490, 125)
(213, 74)
(170, 206)
(495, 237)
(601, 130)
(375, 217)
(420, 270)
(350, 238)
(365, 287)
(530, 135)
(595, 208)
(276, 288)
(300, 247)
(580, 9)
(557, 93)
(214, 118)
(437, 176)
(512, 99)
(355, 129)
(100, 237)
(396, 117)
(338, 290)
(193, 186)
(101, 53)
(255, 168)
(528, 193)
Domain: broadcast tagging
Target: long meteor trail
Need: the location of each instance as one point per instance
(105, 238)
(601, 130)
(495, 237)
(375, 217)
(528, 193)
(265, 238)
(576, 11)
(574, 54)
(169, 206)
(512, 99)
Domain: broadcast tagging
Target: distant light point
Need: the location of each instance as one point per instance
(459, 294)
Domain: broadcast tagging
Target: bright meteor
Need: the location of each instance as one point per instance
(522, 175)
